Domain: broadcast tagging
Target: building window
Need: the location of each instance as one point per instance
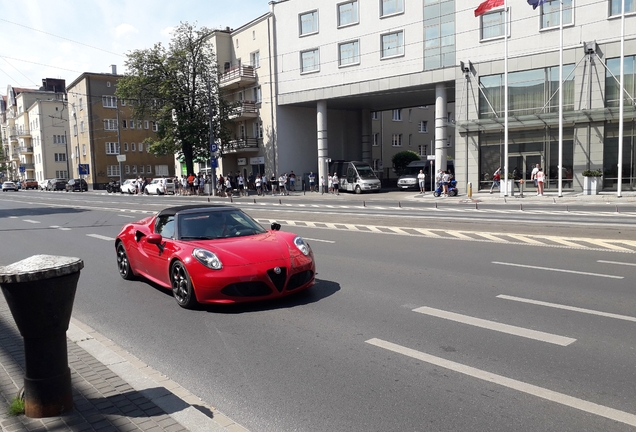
(309, 61)
(396, 115)
(131, 124)
(421, 150)
(139, 125)
(112, 148)
(134, 169)
(255, 59)
(123, 102)
(110, 124)
(60, 157)
(148, 170)
(141, 169)
(84, 149)
(612, 86)
(109, 101)
(550, 13)
(61, 174)
(155, 127)
(390, 7)
(146, 124)
(112, 171)
(393, 44)
(396, 140)
(492, 25)
(82, 126)
(125, 146)
(75, 130)
(141, 147)
(308, 23)
(107, 83)
(59, 139)
(374, 115)
(349, 53)
(127, 169)
(257, 94)
(347, 13)
(376, 139)
(81, 104)
(124, 124)
(423, 127)
(132, 146)
(616, 6)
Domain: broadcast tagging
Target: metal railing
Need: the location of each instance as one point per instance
(238, 72)
(241, 143)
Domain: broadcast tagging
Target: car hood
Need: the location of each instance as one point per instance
(260, 248)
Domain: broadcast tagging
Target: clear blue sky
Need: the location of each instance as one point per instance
(62, 39)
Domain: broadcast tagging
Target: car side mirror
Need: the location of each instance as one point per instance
(154, 239)
(275, 226)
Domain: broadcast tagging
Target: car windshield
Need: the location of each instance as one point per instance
(155, 181)
(412, 170)
(211, 225)
(365, 171)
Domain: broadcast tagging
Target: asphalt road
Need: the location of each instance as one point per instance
(404, 331)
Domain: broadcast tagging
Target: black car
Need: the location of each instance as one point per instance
(74, 185)
(56, 184)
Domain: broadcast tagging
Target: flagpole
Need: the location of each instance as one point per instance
(621, 105)
(505, 98)
(560, 166)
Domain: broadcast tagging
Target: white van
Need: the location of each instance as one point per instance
(408, 179)
(355, 176)
(160, 186)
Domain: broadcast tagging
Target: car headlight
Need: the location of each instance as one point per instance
(301, 245)
(207, 258)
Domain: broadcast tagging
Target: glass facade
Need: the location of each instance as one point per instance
(612, 86)
(610, 156)
(550, 13)
(439, 34)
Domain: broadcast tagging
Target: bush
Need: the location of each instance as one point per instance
(402, 159)
(592, 173)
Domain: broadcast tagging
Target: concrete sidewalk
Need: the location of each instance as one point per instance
(112, 390)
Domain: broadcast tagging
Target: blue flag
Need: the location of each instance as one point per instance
(536, 3)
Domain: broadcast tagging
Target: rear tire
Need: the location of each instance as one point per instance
(453, 192)
(182, 286)
(358, 190)
(125, 271)
(436, 194)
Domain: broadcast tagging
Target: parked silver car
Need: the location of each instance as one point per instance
(160, 186)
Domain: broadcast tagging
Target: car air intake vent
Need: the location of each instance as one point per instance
(247, 289)
(278, 277)
(299, 279)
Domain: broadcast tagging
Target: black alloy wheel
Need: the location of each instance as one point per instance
(123, 264)
(182, 286)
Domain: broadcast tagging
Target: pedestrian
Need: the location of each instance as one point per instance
(421, 178)
(282, 185)
(533, 175)
(241, 185)
(184, 185)
(516, 177)
(445, 181)
(540, 180)
(263, 183)
(195, 185)
(496, 179)
(257, 182)
(323, 185)
(272, 183)
(201, 184)
(329, 184)
(292, 181)
(312, 181)
(438, 178)
(335, 184)
(191, 184)
(228, 186)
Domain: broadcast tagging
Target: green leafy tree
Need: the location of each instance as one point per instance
(176, 87)
(402, 159)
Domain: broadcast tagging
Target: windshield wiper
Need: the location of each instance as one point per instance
(197, 238)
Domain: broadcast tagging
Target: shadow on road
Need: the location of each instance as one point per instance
(39, 211)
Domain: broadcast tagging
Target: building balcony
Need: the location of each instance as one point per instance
(25, 150)
(241, 145)
(28, 166)
(236, 77)
(24, 133)
(245, 110)
(15, 156)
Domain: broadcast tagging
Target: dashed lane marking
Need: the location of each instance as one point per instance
(101, 237)
(496, 326)
(615, 262)
(543, 393)
(558, 270)
(31, 221)
(565, 307)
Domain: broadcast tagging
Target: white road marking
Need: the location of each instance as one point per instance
(492, 325)
(351, 227)
(126, 216)
(318, 240)
(54, 226)
(563, 242)
(558, 270)
(459, 235)
(64, 229)
(543, 393)
(570, 308)
(101, 237)
(616, 262)
(426, 232)
(607, 245)
(398, 231)
(525, 239)
(490, 237)
(30, 221)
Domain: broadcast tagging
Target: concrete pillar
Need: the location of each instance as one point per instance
(323, 154)
(441, 114)
(366, 137)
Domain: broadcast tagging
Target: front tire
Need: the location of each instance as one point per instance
(358, 190)
(125, 271)
(436, 194)
(182, 286)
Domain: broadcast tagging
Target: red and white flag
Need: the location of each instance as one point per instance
(487, 5)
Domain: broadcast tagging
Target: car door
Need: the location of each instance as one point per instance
(158, 256)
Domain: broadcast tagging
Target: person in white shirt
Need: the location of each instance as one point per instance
(241, 185)
(533, 175)
(258, 183)
(335, 184)
(421, 178)
(281, 184)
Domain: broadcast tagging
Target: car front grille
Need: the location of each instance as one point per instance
(247, 289)
(278, 279)
(299, 279)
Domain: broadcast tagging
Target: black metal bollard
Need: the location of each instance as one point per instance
(40, 291)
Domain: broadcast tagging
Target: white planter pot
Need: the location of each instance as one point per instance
(507, 188)
(591, 185)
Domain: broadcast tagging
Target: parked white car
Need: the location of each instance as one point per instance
(129, 186)
(160, 186)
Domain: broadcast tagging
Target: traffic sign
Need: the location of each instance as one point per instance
(214, 162)
(22, 168)
(83, 169)
(214, 147)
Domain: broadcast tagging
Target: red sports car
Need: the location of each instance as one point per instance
(214, 254)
